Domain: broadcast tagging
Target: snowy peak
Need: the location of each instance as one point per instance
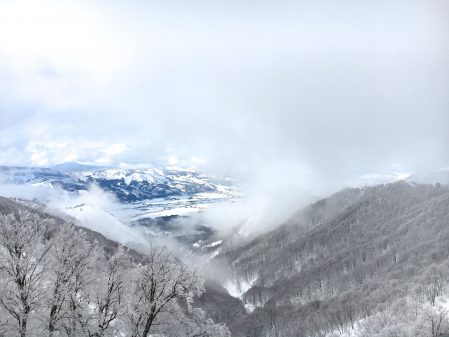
(137, 200)
(128, 185)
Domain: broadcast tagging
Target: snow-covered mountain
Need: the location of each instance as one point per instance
(153, 200)
(130, 185)
(345, 259)
(40, 176)
(127, 185)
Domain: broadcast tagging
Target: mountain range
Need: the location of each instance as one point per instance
(365, 261)
(127, 185)
(127, 204)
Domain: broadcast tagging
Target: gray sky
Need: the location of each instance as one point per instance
(285, 95)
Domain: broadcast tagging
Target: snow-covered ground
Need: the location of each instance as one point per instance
(182, 205)
(113, 201)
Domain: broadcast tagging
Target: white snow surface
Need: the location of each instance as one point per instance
(213, 244)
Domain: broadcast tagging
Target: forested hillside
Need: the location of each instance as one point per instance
(374, 260)
(368, 261)
(57, 279)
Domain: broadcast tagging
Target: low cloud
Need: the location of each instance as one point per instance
(91, 209)
(292, 99)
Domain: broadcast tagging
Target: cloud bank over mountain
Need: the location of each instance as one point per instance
(291, 98)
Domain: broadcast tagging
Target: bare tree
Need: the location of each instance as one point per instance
(272, 313)
(159, 280)
(58, 283)
(196, 324)
(23, 265)
(71, 257)
(109, 294)
(433, 282)
(437, 319)
(81, 294)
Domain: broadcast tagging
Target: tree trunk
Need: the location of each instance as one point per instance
(23, 324)
(51, 323)
(149, 323)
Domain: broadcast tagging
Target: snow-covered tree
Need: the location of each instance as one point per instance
(195, 324)
(72, 258)
(55, 281)
(109, 294)
(435, 320)
(23, 265)
(433, 282)
(158, 280)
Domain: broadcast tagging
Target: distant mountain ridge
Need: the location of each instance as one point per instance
(127, 185)
(147, 205)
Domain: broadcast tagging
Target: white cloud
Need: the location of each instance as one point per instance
(307, 94)
(57, 53)
(51, 151)
(91, 209)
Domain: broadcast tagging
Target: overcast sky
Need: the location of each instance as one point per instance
(311, 93)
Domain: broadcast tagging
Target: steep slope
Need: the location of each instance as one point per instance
(246, 260)
(8, 205)
(214, 300)
(342, 259)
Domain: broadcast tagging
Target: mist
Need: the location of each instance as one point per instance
(291, 99)
(90, 209)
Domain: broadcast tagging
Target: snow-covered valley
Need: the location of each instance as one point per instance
(126, 205)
